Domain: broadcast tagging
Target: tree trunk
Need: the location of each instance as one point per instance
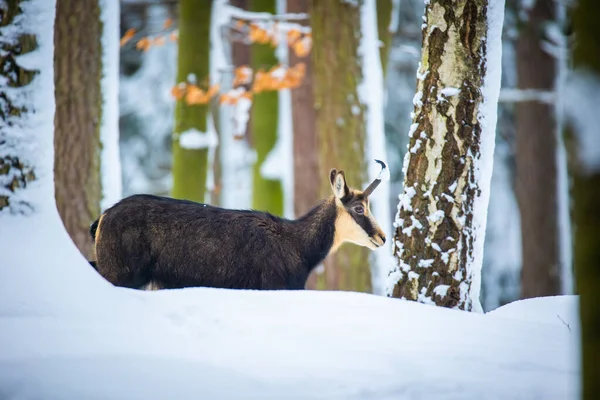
(307, 180)
(440, 226)
(384, 17)
(340, 124)
(586, 194)
(267, 194)
(536, 176)
(190, 166)
(16, 172)
(77, 74)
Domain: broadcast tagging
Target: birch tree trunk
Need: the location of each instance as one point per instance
(440, 225)
(586, 187)
(77, 75)
(190, 166)
(340, 123)
(536, 162)
(267, 194)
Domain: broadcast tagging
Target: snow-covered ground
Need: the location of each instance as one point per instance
(81, 338)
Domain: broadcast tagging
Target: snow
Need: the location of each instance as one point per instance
(193, 139)
(450, 91)
(285, 138)
(371, 94)
(110, 163)
(68, 334)
(581, 90)
(395, 19)
(488, 115)
(236, 156)
(27, 136)
(562, 187)
(147, 108)
(285, 345)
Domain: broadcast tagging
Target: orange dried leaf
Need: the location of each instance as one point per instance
(129, 34)
(302, 47)
(213, 90)
(158, 41)
(167, 24)
(293, 35)
(195, 95)
(240, 24)
(178, 91)
(173, 36)
(143, 44)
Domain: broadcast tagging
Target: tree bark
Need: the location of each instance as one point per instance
(536, 162)
(586, 198)
(267, 194)
(437, 237)
(15, 173)
(307, 180)
(77, 74)
(384, 17)
(340, 124)
(190, 166)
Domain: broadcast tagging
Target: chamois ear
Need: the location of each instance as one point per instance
(338, 183)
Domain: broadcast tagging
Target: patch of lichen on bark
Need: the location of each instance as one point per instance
(14, 173)
(452, 56)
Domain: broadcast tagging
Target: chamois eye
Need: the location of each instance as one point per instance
(359, 210)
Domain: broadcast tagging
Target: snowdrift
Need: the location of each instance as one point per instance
(95, 341)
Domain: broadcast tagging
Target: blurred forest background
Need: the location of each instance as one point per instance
(272, 151)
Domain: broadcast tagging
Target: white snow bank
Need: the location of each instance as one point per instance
(90, 340)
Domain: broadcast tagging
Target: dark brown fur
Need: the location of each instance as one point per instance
(172, 243)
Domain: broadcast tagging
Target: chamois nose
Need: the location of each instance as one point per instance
(382, 237)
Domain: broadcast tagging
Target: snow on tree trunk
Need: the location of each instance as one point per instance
(440, 225)
(536, 162)
(371, 95)
(267, 190)
(581, 103)
(340, 123)
(110, 163)
(235, 156)
(190, 158)
(77, 74)
(29, 221)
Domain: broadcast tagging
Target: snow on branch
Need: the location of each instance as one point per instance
(513, 95)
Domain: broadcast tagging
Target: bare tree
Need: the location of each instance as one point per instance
(536, 162)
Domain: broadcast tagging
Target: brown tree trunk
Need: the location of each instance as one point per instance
(439, 236)
(77, 74)
(536, 162)
(339, 123)
(307, 180)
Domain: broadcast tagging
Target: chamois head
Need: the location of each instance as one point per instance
(354, 222)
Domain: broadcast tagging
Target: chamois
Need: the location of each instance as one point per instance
(151, 242)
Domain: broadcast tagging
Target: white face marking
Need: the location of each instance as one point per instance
(347, 230)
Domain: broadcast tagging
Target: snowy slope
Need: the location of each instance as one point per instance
(93, 341)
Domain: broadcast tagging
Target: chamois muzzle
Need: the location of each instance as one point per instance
(367, 192)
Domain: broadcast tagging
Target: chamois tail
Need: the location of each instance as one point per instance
(93, 229)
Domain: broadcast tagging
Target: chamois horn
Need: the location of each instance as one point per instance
(367, 192)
